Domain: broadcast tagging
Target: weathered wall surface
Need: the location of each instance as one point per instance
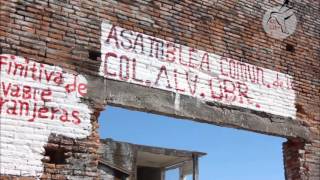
(66, 35)
(148, 61)
(123, 155)
(37, 100)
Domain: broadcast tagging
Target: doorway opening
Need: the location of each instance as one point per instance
(231, 153)
(141, 162)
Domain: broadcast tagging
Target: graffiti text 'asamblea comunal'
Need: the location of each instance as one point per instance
(152, 62)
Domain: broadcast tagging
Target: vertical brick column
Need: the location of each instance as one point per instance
(301, 159)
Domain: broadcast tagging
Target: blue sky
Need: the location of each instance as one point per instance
(232, 154)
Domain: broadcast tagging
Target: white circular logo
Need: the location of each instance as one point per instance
(279, 22)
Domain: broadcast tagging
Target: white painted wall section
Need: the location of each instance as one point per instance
(141, 59)
(35, 101)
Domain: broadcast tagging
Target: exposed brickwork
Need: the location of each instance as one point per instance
(62, 32)
(301, 159)
(81, 159)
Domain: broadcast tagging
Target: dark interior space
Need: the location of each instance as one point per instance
(148, 173)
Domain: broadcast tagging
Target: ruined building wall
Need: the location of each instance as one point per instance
(209, 61)
(121, 155)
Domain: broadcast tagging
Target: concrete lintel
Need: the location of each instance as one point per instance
(162, 102)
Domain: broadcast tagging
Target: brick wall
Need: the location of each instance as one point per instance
(67, 34)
